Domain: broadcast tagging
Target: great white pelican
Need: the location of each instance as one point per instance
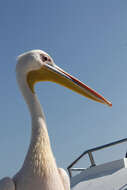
(39, 170)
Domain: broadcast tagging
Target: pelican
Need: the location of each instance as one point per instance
(39, 170)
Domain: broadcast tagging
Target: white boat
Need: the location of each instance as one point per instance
(107, 176)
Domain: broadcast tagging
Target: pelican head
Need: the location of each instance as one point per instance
(38, 66)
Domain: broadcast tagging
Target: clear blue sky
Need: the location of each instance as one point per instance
(88, 39)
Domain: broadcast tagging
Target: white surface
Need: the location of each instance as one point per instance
(109, 176)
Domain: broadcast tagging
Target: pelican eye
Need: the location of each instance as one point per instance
(44, 58)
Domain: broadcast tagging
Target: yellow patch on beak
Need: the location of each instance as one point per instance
(35, 76)
(43, 74)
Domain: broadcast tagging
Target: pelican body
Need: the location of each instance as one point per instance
(39, 170)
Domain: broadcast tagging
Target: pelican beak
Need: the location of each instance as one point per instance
(57, 75)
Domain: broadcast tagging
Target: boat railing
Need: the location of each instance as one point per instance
(90, 155)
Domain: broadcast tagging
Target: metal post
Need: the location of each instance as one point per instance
(91, 159)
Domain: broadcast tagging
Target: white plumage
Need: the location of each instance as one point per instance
(39, 170)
